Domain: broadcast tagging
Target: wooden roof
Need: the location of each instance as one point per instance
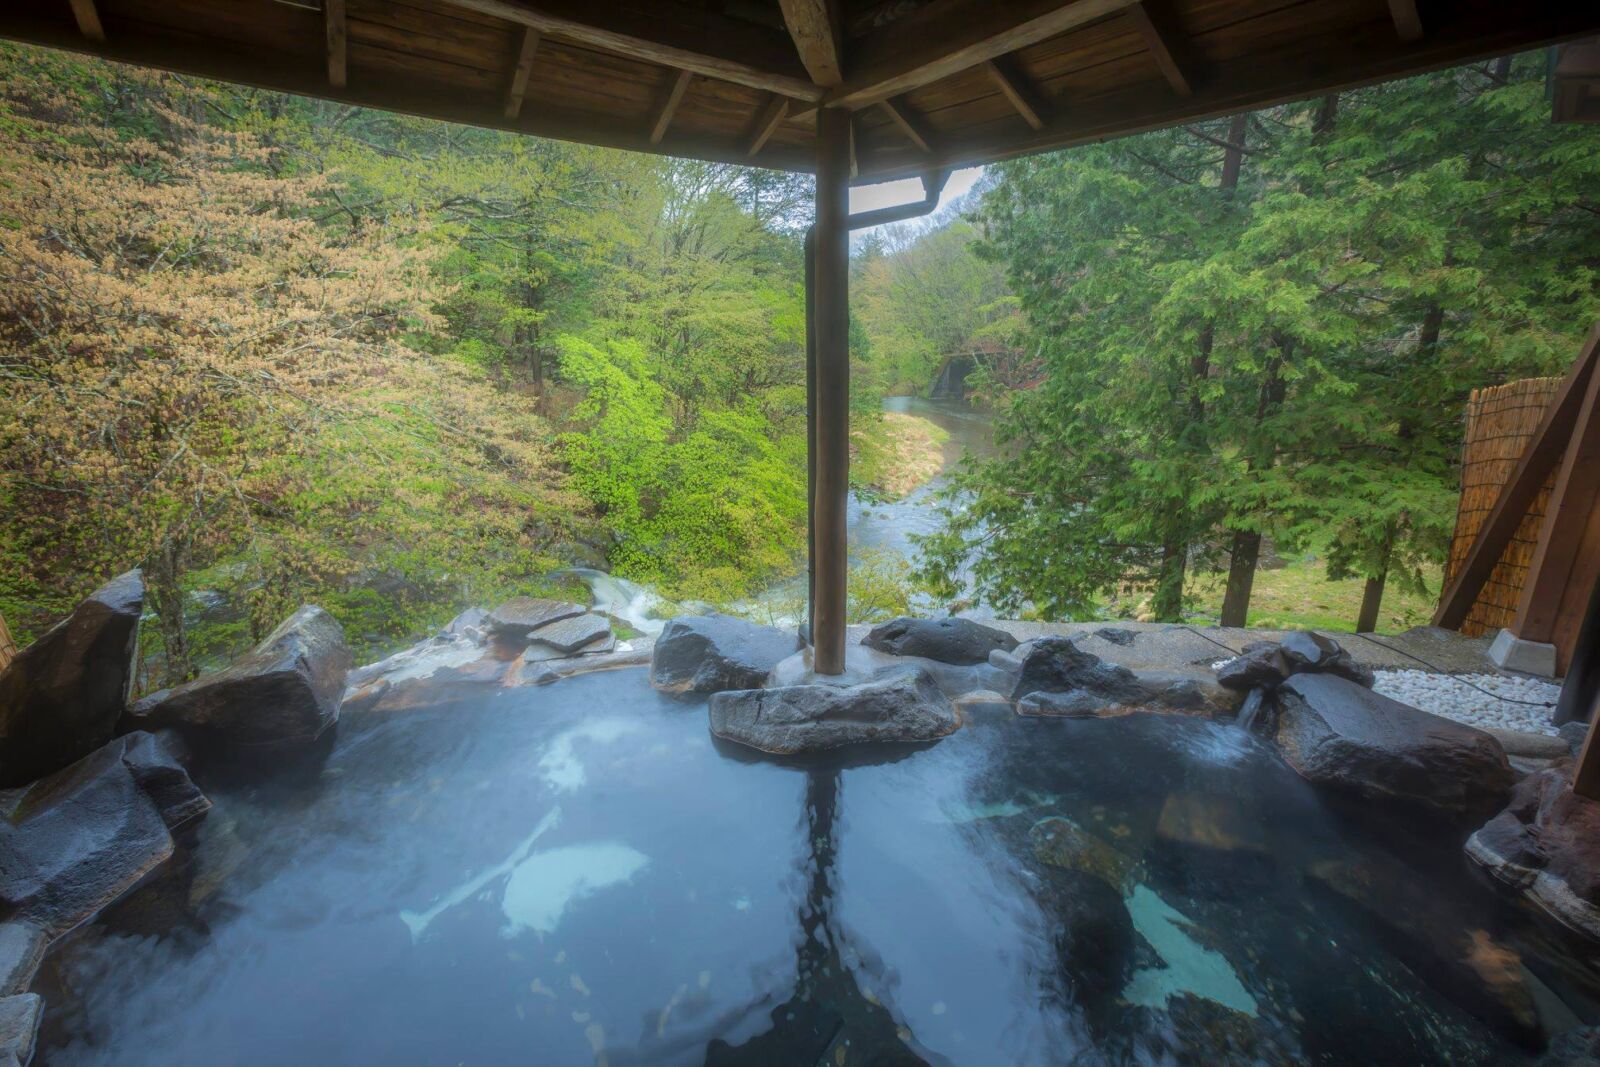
(932, 84)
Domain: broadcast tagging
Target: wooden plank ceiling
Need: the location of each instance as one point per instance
(931, 84)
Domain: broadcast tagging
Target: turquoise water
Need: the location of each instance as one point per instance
(579, 874)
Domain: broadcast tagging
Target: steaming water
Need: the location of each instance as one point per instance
(579, 874)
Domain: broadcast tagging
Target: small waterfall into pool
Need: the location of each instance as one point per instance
(628, 601)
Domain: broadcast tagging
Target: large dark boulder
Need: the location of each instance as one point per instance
(959, 641)
(285, 692)
(1060, 679)
(61, 697)
(1058, 665)
(77, 840)
(905, 706)
(1259, 666)
(1341, 735)
(1546, 845)
(711, 653)
(1264, 665)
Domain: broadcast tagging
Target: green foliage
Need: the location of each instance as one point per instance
(1287, 357)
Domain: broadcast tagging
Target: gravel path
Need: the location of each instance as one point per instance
(1447, 695)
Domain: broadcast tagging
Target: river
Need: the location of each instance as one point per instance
(874, 526)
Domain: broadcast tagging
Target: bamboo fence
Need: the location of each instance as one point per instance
(1500, 421)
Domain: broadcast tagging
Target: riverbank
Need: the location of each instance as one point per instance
(897, 453)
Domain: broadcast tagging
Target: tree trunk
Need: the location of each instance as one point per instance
(1371, 601)
(1167, 605)
(1246, 552)
(164, 576)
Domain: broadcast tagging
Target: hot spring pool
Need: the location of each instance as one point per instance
(579, 874)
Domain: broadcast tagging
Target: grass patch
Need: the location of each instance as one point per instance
(1299, 595)
(894, 454)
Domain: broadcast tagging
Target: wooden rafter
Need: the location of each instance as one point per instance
(670, 34)
(767, 124)
(1014, 86)
(87, 16)
(1548, 444)
(952, 36)
(521, 72)
(1407, 23)
(1160, 49)
(338, 42)
(814, 25)
(669, 105)
(910, 123)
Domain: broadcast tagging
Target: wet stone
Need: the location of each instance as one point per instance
(711, 653)
(61, 697)
(22, 946)
(1260, 667)
(19, 1028)
(522, 615)
(1210, 821)
(810, 718)
(573, 634)
(287, 691)
(1061, 842)
(951, 640)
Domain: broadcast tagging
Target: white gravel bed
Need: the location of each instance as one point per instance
(1448, 695)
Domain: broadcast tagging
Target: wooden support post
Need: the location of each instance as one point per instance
(830, 322)
(1407, 24)
(811, 434)
(338, 38)
(1580, 699)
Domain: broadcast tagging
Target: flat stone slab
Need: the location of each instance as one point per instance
(521, 615)
(711, 653)
(958, 641)
(1339, 734)
(808, 718)
(569, 635)
(22, 946)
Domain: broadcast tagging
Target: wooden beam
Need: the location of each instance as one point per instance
(910, 123)
(951, 36)
(1407, 23)
(88, 19)
(1156, 41)
(767, 124)
(830, 321)
(670, 34)
(1561, 534)
(1548, 444)
(1013, 85)
(669, 106)
(521, 72)
(338, 42)
(814, 25)
(855, 161)
(1586, 772)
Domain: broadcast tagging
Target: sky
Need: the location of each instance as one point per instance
(868, 197)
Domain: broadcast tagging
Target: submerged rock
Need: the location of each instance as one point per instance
(1339, 734)
(77, 840)
(809, 718)
(712, 653)
(1546, 845)
(61, 697)
(1093, 935)
(1466, 965)
(19, 1028)
(1060, 842)
(521, 615)
(287, 691)
(959, 641)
